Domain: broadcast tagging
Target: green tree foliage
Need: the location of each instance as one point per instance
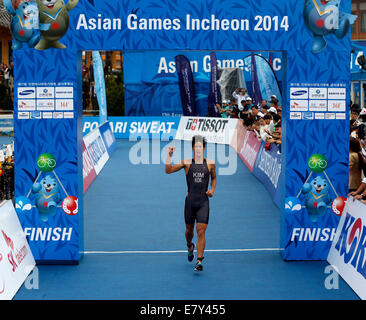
(115, 94)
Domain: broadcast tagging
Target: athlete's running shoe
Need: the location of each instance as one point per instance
(198, 266)
(191, 253)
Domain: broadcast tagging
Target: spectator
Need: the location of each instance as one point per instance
(360, 193)
(253, 116)
(265, 109)
(264, 104)
(232, 109)
(362, 117)
(6, 72)
(276, 135)
(249, 102)
(223, 109)
(85, 71)
(266, 128)
(243, 110)
(355, 112)
(240, 94)
(355, 165)
(274, 104)
(272, 110)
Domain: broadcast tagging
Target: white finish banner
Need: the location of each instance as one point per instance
(215, 130)
(348, 252)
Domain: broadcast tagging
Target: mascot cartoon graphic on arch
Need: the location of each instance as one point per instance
(24, 23)
(316, 191)
(322, 18)
(55, 14)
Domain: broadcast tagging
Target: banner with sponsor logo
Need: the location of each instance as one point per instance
(16, 259)
(100, 85)
(94, 143)
(347, 253)
(249, 149)
(98, 146)
(89, 173)
(265, 79)
(268, 169)
(214, 93)
(215, 130)
(163, 128)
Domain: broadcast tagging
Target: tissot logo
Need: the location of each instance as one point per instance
(205, 125)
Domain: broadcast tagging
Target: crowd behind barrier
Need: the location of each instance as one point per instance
(357, 153)
(263, 119)
(6, 172)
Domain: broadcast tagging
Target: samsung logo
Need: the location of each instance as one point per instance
(26, 92)
(299, 93)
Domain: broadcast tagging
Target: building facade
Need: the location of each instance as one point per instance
(5, 36)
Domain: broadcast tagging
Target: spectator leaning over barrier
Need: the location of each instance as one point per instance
(355, 165)
(258, 127)
(267, 128)
(223, 109)
(231, 107)
(276, 136)
(360, 193)
(253, 116)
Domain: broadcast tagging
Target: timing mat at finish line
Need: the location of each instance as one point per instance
(135, 247)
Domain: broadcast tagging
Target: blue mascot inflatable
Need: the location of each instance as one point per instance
(323, 17)
(317, 197)
(24, 23)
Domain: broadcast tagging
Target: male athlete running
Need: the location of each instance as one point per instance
(198, 171)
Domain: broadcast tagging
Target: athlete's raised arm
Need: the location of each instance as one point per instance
(169, 168)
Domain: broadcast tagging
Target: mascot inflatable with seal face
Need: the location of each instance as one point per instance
(55, 14)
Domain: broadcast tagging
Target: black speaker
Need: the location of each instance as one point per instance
(362, 62)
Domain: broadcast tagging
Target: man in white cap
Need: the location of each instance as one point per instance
(249, 103)
(272, 109)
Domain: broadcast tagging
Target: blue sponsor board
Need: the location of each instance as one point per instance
(313, 35)
(163, 128)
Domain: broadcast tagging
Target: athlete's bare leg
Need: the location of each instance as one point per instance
(201, 242)
(189, 234)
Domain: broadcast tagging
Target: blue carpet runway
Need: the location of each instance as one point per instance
(135, 246)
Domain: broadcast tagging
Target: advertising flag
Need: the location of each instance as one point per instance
(100, 86)
(214, 94)
(186, 87)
